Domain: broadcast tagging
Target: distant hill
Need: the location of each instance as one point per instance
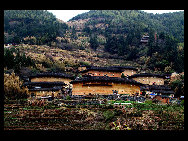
(31, 26)
(124, 21)
(119, 32)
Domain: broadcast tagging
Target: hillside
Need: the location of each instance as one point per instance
(100, 37)
(119, 33)
(31, 26)
(124, 21)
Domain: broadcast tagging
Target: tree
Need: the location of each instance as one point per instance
(18, 61)
(35, 24)
(87, 30)
(12, 87)
(151, 43)
(8, 59)
(178, 86)
(93, 42)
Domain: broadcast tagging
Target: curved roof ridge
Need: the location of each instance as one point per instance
(44, 74)
(146, 75)
(105, 78)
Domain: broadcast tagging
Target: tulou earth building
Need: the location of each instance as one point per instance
(98, 81)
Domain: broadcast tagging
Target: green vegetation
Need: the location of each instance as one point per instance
(117, 32)
(123, 21)
(15, 60)
(123, 30)
(13, 89)
(178, 86)
(31, 26)
(137, 117)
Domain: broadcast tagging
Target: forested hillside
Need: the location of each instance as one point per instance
(31, 26)
(122, 31)
(125, 21)
(109, 34)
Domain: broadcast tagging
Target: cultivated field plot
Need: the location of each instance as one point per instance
(137, 116)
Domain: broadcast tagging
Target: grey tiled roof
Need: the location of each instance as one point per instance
(48, 74)
(105, 79)
(146, 75)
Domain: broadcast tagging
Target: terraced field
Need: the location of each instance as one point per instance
(94, 117)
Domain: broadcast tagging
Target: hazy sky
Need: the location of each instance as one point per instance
(66, 15)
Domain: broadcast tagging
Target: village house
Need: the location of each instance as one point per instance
(51, 77)
(48, 84)
(163, 99)
(127, 70)
(144, 39)
(157, 89)
(148, 78)
(114, 71)
(104, 85)
(42, 89)
(102, 71)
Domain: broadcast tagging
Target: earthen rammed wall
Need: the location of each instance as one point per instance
(150, 80)
(44, 93)
(50, 79)
(129, 72)
(80, 89)
(103, 73)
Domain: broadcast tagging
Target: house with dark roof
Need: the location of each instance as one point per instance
(127, 70)
(51, 77)
(157, 89)
(144, 39)
(113, 71)
(163, 99)
(104, 85)
(149, 78)
(39, 89)
(47, 84)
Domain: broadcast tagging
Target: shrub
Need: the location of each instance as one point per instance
(148, 101)
(108, 114)
(84, 63)
(182, 102)
(12, 87)
(68, 97)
